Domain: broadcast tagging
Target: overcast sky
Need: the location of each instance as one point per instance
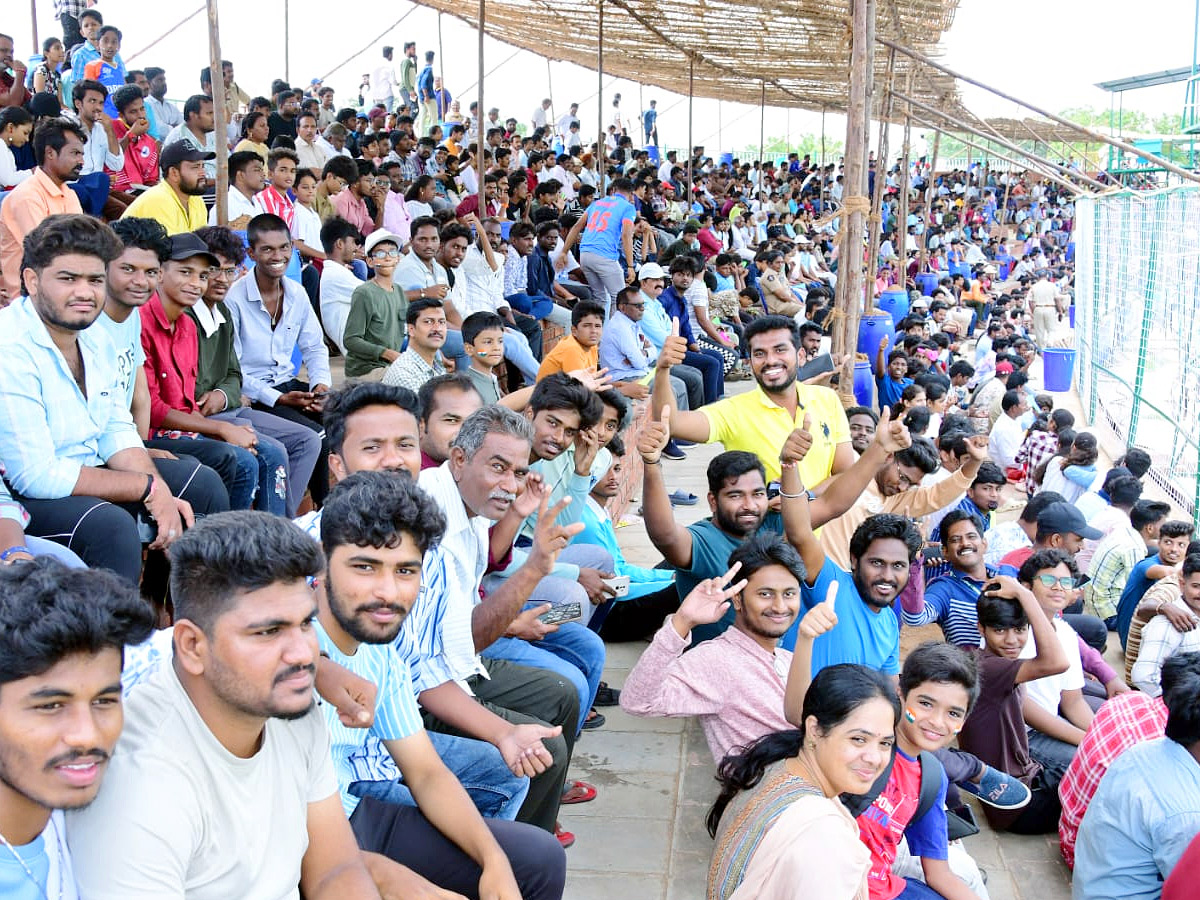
(1050, 53)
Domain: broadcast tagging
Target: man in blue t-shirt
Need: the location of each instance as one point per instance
(606, 247)
(890, 376)
(1173, 541)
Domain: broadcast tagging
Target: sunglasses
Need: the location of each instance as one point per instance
(1066, 582)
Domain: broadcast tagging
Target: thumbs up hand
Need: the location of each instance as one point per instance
(822, 617)
(797, 445)
(674, 348)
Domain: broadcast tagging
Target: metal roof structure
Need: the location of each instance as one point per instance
(1153, 79)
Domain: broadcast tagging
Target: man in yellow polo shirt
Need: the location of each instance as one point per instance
(176, 202)
(761, 420)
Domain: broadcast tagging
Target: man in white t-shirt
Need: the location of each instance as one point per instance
(223, 783)
(61, 636)
(341, 241)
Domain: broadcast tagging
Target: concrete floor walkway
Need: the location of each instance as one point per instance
(643, 837)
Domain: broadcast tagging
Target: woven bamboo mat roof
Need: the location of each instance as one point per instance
(800, 49)
(1024, 130)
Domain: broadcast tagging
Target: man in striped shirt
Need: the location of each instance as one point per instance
(282, 164)
(375, 529)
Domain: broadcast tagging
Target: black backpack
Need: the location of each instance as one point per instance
(957, 826)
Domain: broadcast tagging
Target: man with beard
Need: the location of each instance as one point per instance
(58, 146)
(767, 416)
(738, 500)
(897, 488)
(863, 422)
(982, 497)
(72, 454)
(176, 202)
(731, 682)
(223, 783)
(62, 632)
(375, 529)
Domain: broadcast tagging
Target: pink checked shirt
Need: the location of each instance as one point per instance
(1123, 721)
(731, 683)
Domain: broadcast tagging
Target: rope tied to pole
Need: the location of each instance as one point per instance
(849, 205)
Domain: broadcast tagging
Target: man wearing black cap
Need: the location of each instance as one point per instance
(176, 201)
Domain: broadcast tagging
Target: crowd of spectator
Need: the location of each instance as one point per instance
(274, 623)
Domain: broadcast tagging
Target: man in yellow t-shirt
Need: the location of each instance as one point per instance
(581, 348)
(761, 420)
(176, 202)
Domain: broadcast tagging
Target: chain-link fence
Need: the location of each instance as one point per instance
(1138, 327)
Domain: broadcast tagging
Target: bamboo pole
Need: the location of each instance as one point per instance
(37, 44)
(902, 212)
(923, 255)
(601, 168)
(1008, 159)
(220, 116)
(1003, 142)
(850, 270)
(762, 132)
(437, 100)
(287, 20)
(130, 58)
(552, 123)
(480, 201)
(687, 201)
(881, 166)
(1094, 135)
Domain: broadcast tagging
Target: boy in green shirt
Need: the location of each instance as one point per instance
(375, 329)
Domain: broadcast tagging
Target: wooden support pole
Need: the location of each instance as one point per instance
(1030, 163)
(762, 133)
(848, 303)
(687, 201)
(479, 129)
(601, 148)
(552, 122)
(881, 169)
(437, 100)
(37, 44)
(923, 255)
(130, 58)
(287, 21)
(902, 212)
(1003, 142)
(1093, 135)
(220, 115)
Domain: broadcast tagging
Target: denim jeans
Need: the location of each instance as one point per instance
(518, 352)
(573, 653)
(496, 792)
(712, 369)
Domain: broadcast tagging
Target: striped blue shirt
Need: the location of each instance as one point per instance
(950, 601)
(396, 716)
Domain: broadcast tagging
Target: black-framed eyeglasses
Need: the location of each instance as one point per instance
(636, 305)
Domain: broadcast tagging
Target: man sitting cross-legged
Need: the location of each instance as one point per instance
(375, 528)
(223, 784)
(62, 632)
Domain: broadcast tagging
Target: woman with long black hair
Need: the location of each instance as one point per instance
(783, 834)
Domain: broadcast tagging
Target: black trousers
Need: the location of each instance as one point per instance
(524, 695)
(318, 484)
(105, 534)
(403, 834)
(618, 621)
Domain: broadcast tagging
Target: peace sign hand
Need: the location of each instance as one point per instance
(549, 538)
(709, 600)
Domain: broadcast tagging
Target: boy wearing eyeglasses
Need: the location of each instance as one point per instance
(375, 328)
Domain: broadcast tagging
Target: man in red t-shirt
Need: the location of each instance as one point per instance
(132, 129)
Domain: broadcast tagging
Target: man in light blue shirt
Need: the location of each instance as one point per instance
(272, 319)
(656, 326)
(375, 530)
(606, 249)
(627, 353)
(71, 452)
(1147, 808)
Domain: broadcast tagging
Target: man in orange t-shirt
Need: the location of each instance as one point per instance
(581, 348)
